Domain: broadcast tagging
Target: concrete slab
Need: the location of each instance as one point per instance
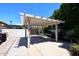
(4, 47)
(38, 47)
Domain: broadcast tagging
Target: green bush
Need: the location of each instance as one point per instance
(74, 49)
(46, 29)
(75, 36)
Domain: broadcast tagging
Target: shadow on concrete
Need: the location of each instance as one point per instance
(23, 42)
(65, 45)
(40, 39)
(34, 40)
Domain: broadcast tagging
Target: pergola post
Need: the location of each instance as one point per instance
(28, 34)
(23, 22)
(28, 37)
(25, 31)
(42, 31)
(56, 32)
(38, 30)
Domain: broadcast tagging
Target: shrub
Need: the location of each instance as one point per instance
(74, 49)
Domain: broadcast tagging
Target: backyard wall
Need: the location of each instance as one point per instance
(14, 32)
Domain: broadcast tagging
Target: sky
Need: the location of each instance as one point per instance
(11, 11)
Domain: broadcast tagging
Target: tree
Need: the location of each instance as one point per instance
(68, 12)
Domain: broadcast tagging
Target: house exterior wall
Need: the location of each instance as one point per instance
(2, 25)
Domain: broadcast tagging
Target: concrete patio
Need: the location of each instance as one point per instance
(40, 46)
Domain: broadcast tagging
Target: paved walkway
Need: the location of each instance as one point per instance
(5, 46)
(40, 46)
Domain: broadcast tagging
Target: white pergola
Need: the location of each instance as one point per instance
(31, 20)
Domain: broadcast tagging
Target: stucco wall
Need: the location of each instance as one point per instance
(14, 32)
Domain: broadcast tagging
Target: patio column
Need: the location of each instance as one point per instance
(25, 27)
(42, 31)
(38, 30)
(28, 37)
(24, 22)
(28, 34)
(56, 32)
